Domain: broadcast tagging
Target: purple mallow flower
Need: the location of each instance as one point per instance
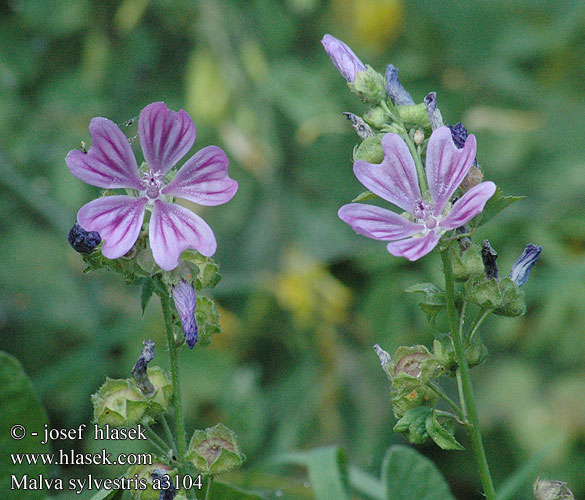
(186, 302)
(395, 89)
(520, 271)
(428, 217)
(346, 62)
(165, 136)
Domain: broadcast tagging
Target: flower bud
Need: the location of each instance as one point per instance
(520, 271)
(369, 86)
(467, 263)
(377, 117)
(552, 490)
(444, 352)
(433, 111)
(167, 491)
(119, 403)
(395, 89)
(476, 352)
(342, 57)
(419, 137)
(83, 241)
(474, 176)
(186, 302)
(370, 150)
(414, 115)
(214, 450)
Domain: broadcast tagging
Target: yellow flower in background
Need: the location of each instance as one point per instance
(369, 23)
(307, 289)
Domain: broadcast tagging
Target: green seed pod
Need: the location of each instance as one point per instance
(552, 490)
(377, 117)
(466, 264)
(214, 450)
(119, 403)
(160, 401)
(369, 85)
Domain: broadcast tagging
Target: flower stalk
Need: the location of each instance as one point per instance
(465, 376)
(174, 365)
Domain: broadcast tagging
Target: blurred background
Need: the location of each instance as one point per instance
(302, 297)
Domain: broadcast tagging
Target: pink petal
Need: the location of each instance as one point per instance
(377, 223)
(204, 179)
(165, 136)
(173, 229)
(395, 178)
(447, 166)
(469, 205)
(110, 162)
(414, 248)
(118, 219)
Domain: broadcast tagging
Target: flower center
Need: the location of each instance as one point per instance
(152, 182)
(423, 213)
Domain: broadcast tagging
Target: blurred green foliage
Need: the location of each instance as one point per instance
(302, 297)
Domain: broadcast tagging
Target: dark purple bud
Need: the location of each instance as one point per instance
(139, 371)
(185, 302)
(167, 488)
(346, 62)
(395, 89)
(489, 256)
(83, 241)
(459, 134)
(520, 271)
(433, 111)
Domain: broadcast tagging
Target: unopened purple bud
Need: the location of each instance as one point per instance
(185, 302)
(520, 271)
(83, 241)
(395, 89)
(433, 111)
(344, 59)
(459, 134)
(489, 256)
(167, 490)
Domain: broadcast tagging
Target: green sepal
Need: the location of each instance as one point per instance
(476, 352)
(370, 150)
(207, 271)
(365, 196)
(159, 402)
(442, 436)
(466, 264)
(145, 261)
(444, 352)
(414, 115)
(369, 85)
(214, 450)
(207, 319)
(503, 296)
(496, 204)
(433, 299)
(413, 424)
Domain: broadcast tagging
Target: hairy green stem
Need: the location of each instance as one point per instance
(177, 403)
(157, 442)
(484, 314)
(436, 388)
(209, 481)
(466, 384)
(168, 432)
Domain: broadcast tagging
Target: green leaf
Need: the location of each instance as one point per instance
(433, 300)
(146, 293)
(444, 438)
(327, 471)
(366, 484)
(408, 474)
(20, 406)
(496, 204)
(413, 424)
(224, 491)
(207, 319)
(366, 195)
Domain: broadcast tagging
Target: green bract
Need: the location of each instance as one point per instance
(504, 296)
(119, 403)
(467, 264)
(370, 150)
(369, 85)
